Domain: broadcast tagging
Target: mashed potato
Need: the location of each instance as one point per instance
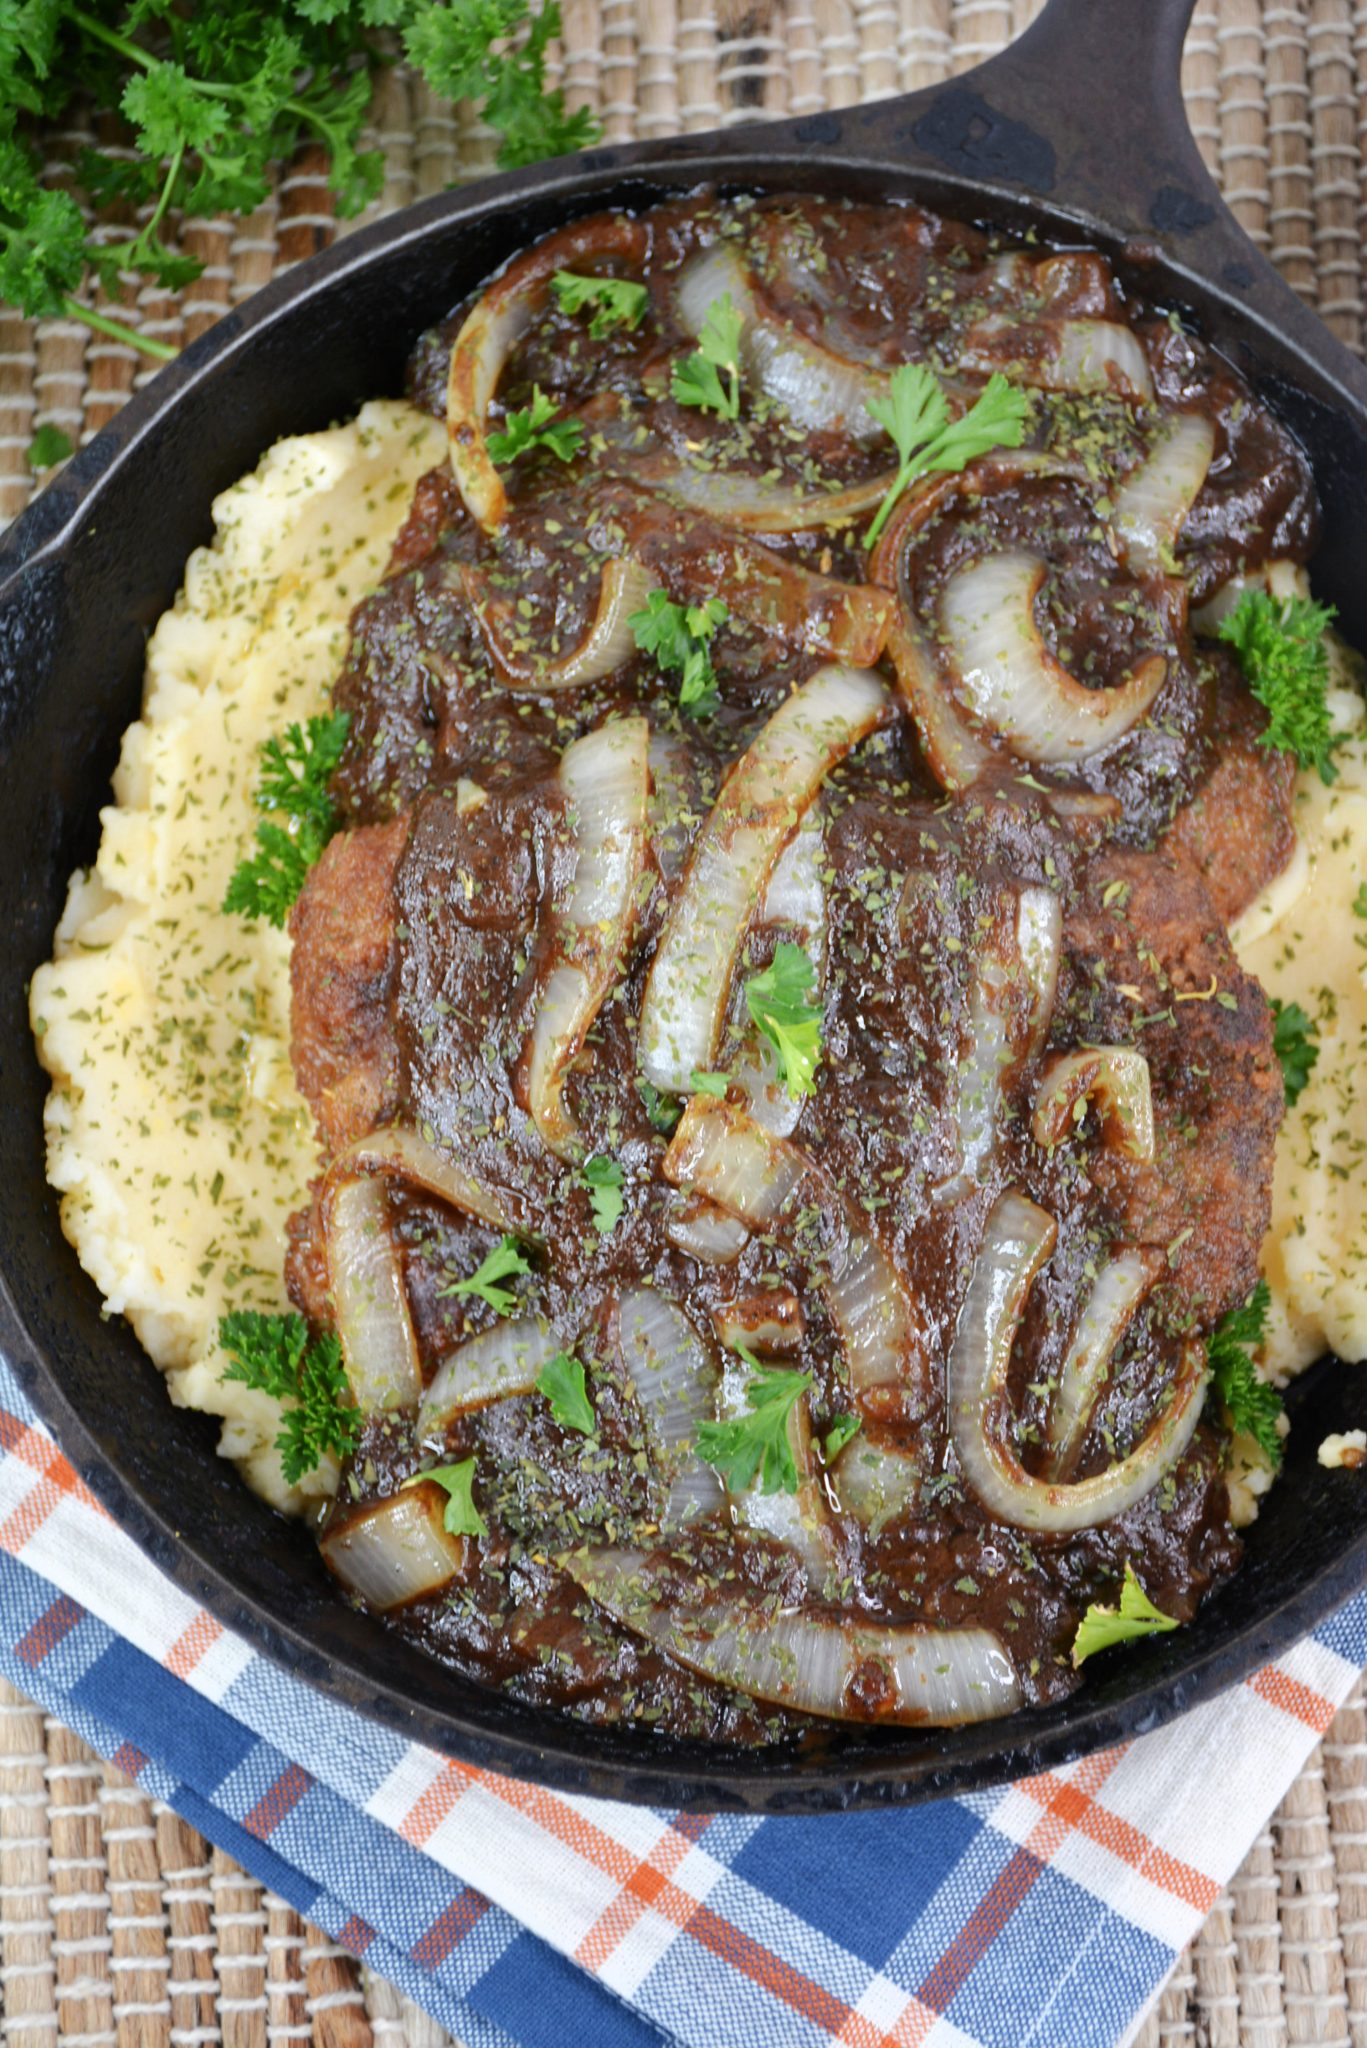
(174, 1129)
(1306, 940)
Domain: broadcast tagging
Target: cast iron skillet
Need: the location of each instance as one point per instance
(1077, 131)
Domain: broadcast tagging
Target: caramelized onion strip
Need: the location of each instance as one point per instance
(1020, 1237)
(760, 806)
(1061, 355)
(399, 1150)
(924, 1676)
(674, 1378)
(605, 777)
(1011, 680)
(493, 328)
(397, 1549)
(1116, 1079)
(608, 639)
(369, 1299)
(720, 1152)
(1119, 1288)
(498, 1365)
(818, 389)
(1153, 501)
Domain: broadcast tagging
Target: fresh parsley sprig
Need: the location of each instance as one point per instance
(758, 1443)
(603, 1177)
(916, 414)
(616, 301)
(678, 636)
(563, 1386)
(1284, 655)
(697, 380)
(504, 1262)
(1251, 1404)
(1135, 1617)
(779, 1001)
(460, 1517)
(280, 1356)
(295, 772)
(214, 97)
(1295, 1040)
(535, 426)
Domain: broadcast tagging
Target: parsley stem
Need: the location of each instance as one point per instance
(111, 38)
(117, 331)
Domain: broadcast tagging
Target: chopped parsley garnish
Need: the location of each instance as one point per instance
(697, 380)
(1360, 901)
(677, 636)
(1136, 1616)
(535, 426)
(48, 447)
(504, 1262)
(277, 1355)
(757, 1443)
(461, 1516)
(1285, 659)
(563, 1385)
(1251, 1404)
(603, 1177)
(663, 1111)
(715, 1085)
(842, 1429)
(295, 772)
(916, 414)
(1294, 1038)
(778, 1002)
(616, 301)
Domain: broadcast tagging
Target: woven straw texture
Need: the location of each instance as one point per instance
(120, 1925)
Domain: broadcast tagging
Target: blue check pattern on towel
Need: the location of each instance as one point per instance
(1044, 1915)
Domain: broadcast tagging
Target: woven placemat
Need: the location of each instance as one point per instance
(120, 1925)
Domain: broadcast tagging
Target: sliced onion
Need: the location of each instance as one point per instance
(1039, 942)
(795, 896)
(605, 777)
(1116, 1079)
(696, 557)
(706, 1232)
(770, 1320)
(498, 1365)
(608, 639)
(670, 1368)
(1061, 355)
(759, 504)
(396, 1549)
(400, 1150)
(1120, 1287)
(955, 754)
(492, 330)
(673, 819)
(760, 806)
(720, 1152)
(1152, 503)
(1281, 579)
(675, 1381)
(1013, 683)
(366, 1283)
(875, 1484)
(1001, 470)
(992, 1047)
(817, 389)
(924, 1677)
(1020, 1237)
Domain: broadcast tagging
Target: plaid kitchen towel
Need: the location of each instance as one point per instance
(1045, 1915)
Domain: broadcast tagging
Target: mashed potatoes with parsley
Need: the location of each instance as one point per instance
(174, 1129)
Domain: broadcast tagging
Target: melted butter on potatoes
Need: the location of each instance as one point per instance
(175, 1132)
